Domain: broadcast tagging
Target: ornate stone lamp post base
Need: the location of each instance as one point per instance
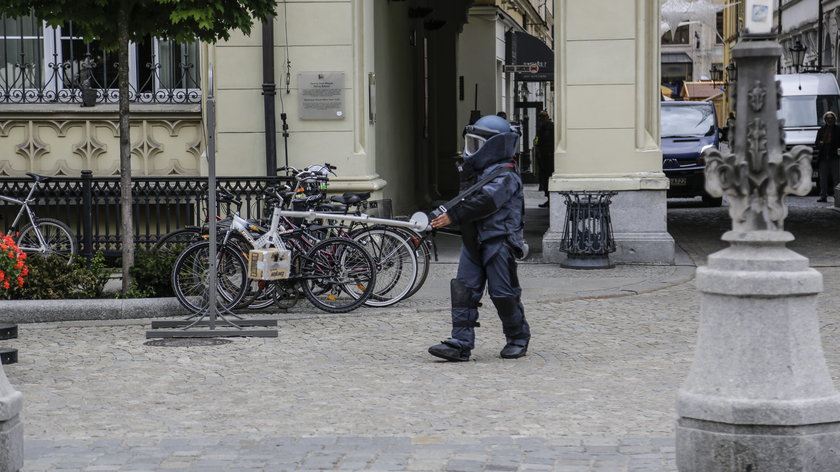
(758, 397)
(759, 393)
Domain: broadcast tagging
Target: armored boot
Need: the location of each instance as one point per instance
(464, 321)
(516, 329)
(450, 350)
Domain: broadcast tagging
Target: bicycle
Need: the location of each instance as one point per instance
(337, 274)
(394, 254)
(45, 236)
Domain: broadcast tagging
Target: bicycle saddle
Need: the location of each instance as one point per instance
(39, 178)
(351, 198)
(331, 208)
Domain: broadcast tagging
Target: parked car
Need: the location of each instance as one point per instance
(688, 128)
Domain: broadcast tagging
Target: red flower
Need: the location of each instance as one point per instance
(2, 275)
(6, 285)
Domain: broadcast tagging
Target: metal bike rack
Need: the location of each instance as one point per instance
(193, 327)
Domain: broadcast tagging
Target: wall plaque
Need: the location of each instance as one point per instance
(321, 95)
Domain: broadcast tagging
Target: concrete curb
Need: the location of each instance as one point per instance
(40, 311)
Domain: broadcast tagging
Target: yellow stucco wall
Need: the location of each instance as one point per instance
(607, 73)
(331, 36)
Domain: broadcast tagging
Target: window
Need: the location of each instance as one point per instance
(719, 28)
(19, 57)
(680, 36)
(807, 110)
(41, 64)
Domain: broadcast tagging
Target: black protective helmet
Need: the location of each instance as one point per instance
(485, 128)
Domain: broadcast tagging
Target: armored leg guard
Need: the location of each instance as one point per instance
(516, 329)
(464, 313)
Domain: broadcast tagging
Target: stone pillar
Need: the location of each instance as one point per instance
(11, 428)
(607, 123)
(758, 396)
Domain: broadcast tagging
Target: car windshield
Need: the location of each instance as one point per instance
(807, 110)
(687, 120)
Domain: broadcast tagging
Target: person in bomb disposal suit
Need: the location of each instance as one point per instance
(827, 145)
(490, 219)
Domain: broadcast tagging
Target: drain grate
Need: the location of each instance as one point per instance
(187, 342)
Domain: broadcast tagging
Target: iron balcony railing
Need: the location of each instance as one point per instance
(42, 64)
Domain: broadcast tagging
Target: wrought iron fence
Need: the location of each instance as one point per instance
(42, 64)
(91, 205)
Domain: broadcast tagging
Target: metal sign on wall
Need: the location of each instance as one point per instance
(321, 95)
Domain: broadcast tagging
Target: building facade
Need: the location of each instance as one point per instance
(381, 89)
(689, 54)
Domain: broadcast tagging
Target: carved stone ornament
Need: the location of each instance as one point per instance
(757, 191)
(757, 97)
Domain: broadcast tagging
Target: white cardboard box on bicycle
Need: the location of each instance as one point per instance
(269, 264)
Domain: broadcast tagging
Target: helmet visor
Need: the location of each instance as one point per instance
(472, 143)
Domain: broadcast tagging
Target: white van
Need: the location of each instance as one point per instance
(805, 98)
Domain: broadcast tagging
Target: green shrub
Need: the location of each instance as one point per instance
(52, 278)
(151, 274)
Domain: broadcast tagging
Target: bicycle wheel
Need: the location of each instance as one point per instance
(281, 293)
(58, 238)
(396, 264)
(190, 277)
(176, 241)
(337, 275)
(423, 251)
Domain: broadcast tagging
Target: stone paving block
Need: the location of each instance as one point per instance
(494, 466)
(352, 466)
(600, 449)
(641, 449)
(572, 468)
(525, 467)
(464, 466)
(663, 442)
(634, 441)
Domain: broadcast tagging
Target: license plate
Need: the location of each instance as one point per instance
(678, 181)
(816, 175)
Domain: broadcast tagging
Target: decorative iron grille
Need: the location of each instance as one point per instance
(160, 205)
(42, 64)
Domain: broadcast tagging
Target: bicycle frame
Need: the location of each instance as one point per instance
(24, 208)
(270, 239)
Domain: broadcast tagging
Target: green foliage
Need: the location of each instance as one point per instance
(134, 291)
(178, 20)
(151, 274)
(52, 278)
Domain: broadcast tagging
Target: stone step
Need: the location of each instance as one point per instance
(8, 331)
(8, 355)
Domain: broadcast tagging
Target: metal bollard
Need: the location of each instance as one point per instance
(87, 214)
(587, 231)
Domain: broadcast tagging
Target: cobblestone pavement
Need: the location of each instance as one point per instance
(359, 391)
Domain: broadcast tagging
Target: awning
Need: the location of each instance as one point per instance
(700, 90)
(675, 58)
(526, 50)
